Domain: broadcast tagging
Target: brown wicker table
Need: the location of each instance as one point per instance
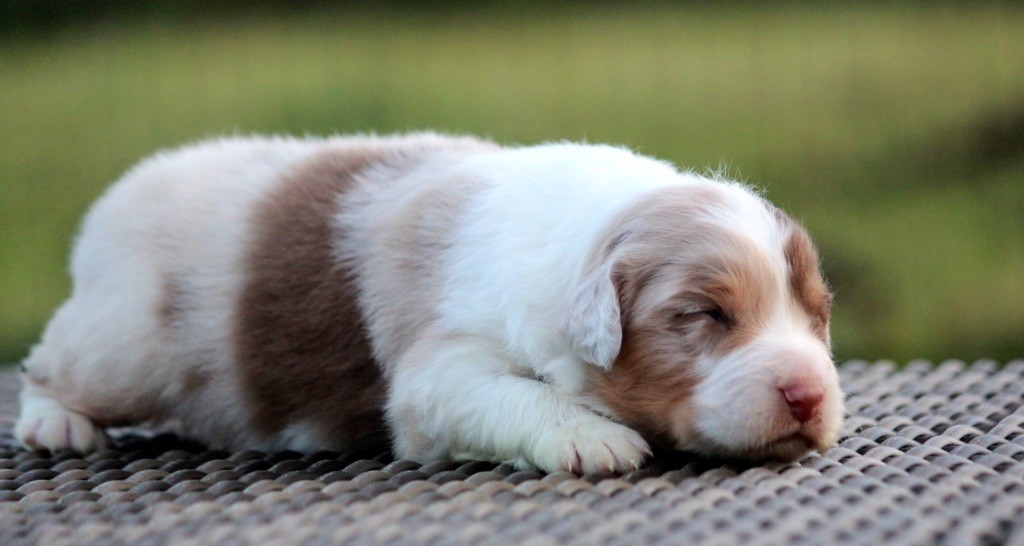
(933, 454)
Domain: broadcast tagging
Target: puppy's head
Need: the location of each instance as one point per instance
(706, 318)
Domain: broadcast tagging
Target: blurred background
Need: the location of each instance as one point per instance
(893, 131)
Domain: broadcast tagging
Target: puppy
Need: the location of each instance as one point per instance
(556, 306)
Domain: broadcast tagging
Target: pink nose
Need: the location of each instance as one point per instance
(802, 399)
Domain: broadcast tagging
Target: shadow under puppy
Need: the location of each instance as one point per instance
(558, 306)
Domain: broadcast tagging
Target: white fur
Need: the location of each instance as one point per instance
(511, 305)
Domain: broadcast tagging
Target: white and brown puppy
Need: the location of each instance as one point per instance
(558, 306)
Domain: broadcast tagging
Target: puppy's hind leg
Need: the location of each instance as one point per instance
(84, 373)
(44, 423)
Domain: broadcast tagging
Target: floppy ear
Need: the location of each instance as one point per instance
(591, 321)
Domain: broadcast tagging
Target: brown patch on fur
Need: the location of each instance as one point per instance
(806, 282)
(646, 384)
(652, 378)
(670, 269)
(302, 348)
(742, 287)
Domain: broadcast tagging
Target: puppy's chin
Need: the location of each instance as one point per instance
(786, 449)
(767, 440)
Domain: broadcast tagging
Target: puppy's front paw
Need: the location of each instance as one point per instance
(591, 444)
(56, 428)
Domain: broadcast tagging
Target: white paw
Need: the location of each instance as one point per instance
(45, 424)
(591, 444)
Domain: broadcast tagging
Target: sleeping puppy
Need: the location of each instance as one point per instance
(556, 306)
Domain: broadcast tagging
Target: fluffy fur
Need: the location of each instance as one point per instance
(557, 306)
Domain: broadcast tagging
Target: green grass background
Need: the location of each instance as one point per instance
(894, 132)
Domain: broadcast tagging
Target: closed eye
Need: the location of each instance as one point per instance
(714, 313)
(717, 315)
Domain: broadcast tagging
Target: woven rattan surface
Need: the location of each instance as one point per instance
(932, 455)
